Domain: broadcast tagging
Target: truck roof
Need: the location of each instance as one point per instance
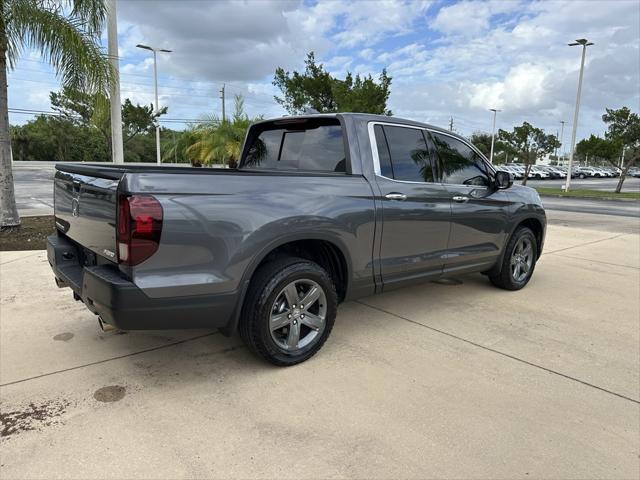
(358, 117)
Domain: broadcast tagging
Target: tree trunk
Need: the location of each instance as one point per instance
(8, 211)
(527, 169)
(623, 175)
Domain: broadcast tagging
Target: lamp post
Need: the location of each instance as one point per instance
(585, 43)
(493, 133)
(562, 122)
(155, 84)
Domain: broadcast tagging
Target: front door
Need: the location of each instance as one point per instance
(416, 211)
(479, 212)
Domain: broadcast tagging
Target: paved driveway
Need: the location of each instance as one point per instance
(456, 380)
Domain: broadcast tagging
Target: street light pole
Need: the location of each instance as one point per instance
(585, 43)
(562, 122)
(493, 133)
(155, 84)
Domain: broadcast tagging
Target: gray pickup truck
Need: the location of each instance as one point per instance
(322, 209)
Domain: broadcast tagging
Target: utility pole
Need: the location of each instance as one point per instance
(222, 98)
(585, 43)
(117, 149)
(493, 132)
(451, 124)
(155, 84)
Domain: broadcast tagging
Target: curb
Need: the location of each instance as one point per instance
(613, 199)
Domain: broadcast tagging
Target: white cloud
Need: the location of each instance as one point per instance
(457, 61)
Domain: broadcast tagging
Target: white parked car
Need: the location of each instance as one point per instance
(538, 173)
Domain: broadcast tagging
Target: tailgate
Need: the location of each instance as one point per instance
(85, 209)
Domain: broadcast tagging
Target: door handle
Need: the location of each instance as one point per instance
(396, 196)
(460, 199)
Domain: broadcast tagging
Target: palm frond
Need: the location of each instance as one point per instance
(69, 43)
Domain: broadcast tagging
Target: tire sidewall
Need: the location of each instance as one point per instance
(272, 289)
(518, 235)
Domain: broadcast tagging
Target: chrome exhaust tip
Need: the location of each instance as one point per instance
(104, 326)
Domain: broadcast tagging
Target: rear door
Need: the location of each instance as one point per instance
(85, 209)
(415, 210)
(479, 212)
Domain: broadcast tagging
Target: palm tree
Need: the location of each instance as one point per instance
(221, 141)
(67, 34)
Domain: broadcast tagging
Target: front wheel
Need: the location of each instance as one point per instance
(521, 254)
(289, 311)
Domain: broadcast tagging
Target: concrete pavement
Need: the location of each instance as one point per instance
(440, 380)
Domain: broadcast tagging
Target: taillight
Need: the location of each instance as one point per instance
(139, 228)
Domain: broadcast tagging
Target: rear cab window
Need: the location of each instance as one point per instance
(308, 144)
(403, 154)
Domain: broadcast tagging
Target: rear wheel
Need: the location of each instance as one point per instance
(289, 311)
(519, 261)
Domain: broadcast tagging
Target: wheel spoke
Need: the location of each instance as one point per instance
(516, 272)
(280, 320)
(312, 321)
(294, 335)
(291, 294)
(525, 267)
(519, 248)
(527, 251)
(310, 298)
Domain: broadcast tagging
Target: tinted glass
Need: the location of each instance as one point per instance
(460, 164)
(302, 147)
(409, 155)
(383, 153)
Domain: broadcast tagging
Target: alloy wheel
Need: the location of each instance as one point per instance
(298, 315)
(522, 259)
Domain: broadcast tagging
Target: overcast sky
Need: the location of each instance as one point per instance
(446, 58)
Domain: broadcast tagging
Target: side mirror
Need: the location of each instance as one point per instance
(503, 180)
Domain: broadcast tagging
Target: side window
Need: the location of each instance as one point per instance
(386, 170)
(410, 157)
(460, 165)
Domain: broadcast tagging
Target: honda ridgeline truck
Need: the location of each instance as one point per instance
(321, 209)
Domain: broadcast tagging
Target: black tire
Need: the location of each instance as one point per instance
(265, 288)
(504, 276)
(582, 176)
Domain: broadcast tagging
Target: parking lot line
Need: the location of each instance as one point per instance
(504, 354)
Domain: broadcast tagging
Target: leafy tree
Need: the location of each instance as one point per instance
(50, 138)
(624, 128)
(318, 89)
(482, 141)
(529, 143)
(176, 148)
(67, 35)
(93, 110)
(597, 148)
(501, 151)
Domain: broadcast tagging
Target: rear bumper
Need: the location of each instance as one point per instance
(119, 302)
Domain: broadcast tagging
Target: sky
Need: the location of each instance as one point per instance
(447, 59)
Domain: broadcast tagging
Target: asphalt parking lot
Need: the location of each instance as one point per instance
(454, 379)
